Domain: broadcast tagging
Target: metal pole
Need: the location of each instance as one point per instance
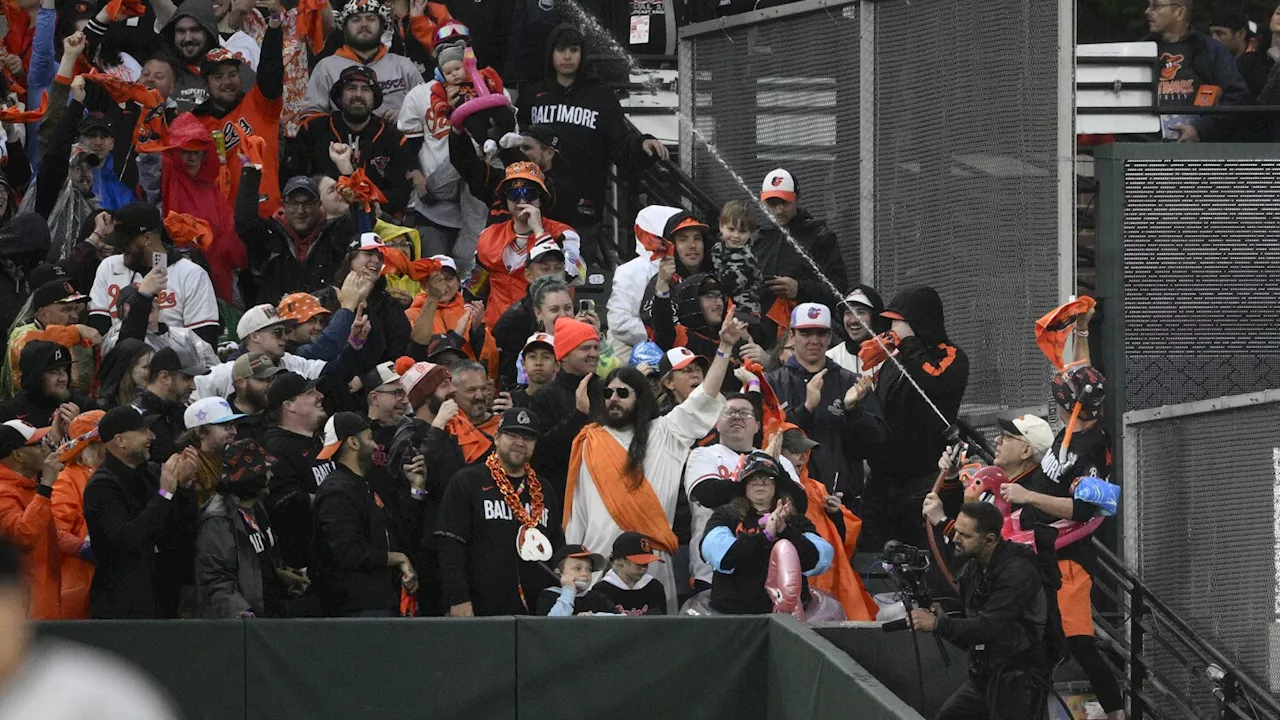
(1137, 669)
(1066, 149)
(867, 140)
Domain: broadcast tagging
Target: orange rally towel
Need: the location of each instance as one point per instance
(1056, 326)
(125, 8)
(638, 510)
(780, 314)
(872, 353)
(311, 23)
(189, 230)
(15, 115)
(774, 415)
(473, 442)
(252, 147)
(396, 263)
(357, 187)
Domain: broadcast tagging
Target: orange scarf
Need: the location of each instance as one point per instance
(472, 440)
(639, 509)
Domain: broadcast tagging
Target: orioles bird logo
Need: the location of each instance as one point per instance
(1171, 65)
(645, 545)
(814, 313)
(777, 181)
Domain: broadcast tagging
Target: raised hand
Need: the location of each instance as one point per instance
(813, 390)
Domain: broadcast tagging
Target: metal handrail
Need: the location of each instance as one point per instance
(1143, 604)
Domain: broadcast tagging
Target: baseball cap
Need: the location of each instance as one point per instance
(367, 241)
(46, 273)
(57, 291)
(446, 262)
(43, 354)
(255, 365)
(338, 428)
(217, 56)
(300, 307)
(598, 562)
(635, 547)
(1230, 18)
(544, 134)
(811, 315)
(547, 245)
(301, 183)
(123, 419)
(16, 434)
(209, 411)
(795, 440)
(94, 120)
(381, 374)
(174, 361)
(538, 339)
(259, 317)
(133, 220)
(858, 297)
(679, 358)
(244, 460)
(1035, 431)
(778, 184)
(444, 342)
(519, 421)
(287, 386)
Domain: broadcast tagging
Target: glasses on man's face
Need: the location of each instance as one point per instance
(278, 332)
(622, 392)
(1156, 6)
(738, 415)
(397, 394)
(300, 204)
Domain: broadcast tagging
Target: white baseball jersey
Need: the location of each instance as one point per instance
(187, 302)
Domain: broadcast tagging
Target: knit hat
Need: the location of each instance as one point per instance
(82, 433)
(570, 334)
(421, 381)
(450, 52)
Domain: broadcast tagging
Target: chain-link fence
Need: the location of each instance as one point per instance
(961, 169)
(1202, 503)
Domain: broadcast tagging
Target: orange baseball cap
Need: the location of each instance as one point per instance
(300, 307)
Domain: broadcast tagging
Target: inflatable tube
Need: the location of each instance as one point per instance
(1069, 531)
(821, 607)
(785, 580)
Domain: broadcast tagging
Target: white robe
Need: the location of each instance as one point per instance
(670, 439)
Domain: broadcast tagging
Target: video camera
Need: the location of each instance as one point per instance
(908, 566)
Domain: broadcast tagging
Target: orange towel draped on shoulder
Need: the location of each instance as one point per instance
(638, 509)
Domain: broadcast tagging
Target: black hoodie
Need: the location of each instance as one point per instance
(24, 243)
(879, 324)
(31, 405)
(916, 438)
(593, 130)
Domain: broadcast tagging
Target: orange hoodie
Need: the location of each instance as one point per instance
(447, 316)
(68, 517)
(26, 519)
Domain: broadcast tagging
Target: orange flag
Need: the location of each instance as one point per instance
(125, 8)
(189, 230)
(358, 188)
(396, 263)
(311, 23)
(15, 115)
(1056, 326)
(774, 415)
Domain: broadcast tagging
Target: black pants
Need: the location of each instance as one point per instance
(1016, 697)
(891, 511)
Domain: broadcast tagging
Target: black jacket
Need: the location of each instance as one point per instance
(845, 436)
(776, 257)
(511, 331)
(819, 241)
(24, 242)
(351, 540)
(916, 436)
(559, 422)
(1213, 64)
(1005, 609)
(294, 480)
(385, 157)
(274, 268)
(139, 538)
(235, 564)
(741, 592)
(168, 427)
(593, 130)
(477, 538)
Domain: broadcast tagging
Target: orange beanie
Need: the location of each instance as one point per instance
(570, 334)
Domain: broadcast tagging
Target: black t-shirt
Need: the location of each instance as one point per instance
(1178, 81)
(264, 543)
(1089, 455)
(591, 601)
(295, 478)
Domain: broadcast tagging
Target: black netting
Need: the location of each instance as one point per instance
(1205, 497)
(783, 93)
(1201, 252)
(966, 177)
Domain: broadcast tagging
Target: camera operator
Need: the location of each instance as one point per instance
(1005, 609)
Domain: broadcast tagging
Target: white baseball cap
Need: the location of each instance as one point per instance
(368, 241)
(778, 184)
(811, 315)
(209, 411)
(1033, 429)
(382, 374)
(542, 339)
(545, 246)
(679, 358)
(259, 317)
(857, 296)
(446, 262)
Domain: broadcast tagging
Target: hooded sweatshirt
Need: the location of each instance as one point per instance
(198, 196)
(189, 88)
(115, 366)
(846, 353)
(73, 531)
(26, 520)
(24, 242)
(32, 405)
(942, 371)
(593, 130)
(397, 75)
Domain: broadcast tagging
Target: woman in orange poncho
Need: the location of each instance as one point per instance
(81, 454)
(189, 184)
(842, 530)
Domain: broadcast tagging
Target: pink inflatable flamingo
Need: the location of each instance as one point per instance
(484, 99)
(990, 478)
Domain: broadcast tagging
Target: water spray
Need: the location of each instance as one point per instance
(600, 33)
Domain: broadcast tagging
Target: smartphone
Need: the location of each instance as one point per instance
(160, 260)
(587, 306)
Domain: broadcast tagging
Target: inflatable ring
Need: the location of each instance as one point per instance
(820, 608)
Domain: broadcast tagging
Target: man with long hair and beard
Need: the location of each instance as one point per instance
(358, 569)
(625, 469)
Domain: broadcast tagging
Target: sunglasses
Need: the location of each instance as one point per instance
(622, 392)
(278, 332)
(523, 193)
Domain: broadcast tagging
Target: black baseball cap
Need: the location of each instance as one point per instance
(519, 421)
(337, 429)
(43, 354)
(598, 562)
(635, 547)
(444, 342)
(174, 361)
(16, 434)
(301, 183)
(543, 133)
(46, 273)
(1231, 18)
(123, 419)
(55, 292)
(133, 220)
(795, 440)
(287, 386)
(94, 120)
